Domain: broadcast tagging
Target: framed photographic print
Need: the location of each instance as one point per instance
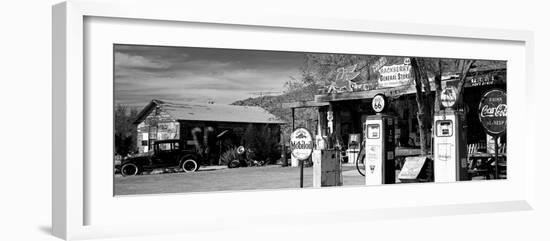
(176, 120)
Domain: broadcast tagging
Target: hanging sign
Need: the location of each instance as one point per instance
(379, 103)
(492, 112)
(343, 80)
(301, 144)
(395, 75)
(379, 63)
(449, 96)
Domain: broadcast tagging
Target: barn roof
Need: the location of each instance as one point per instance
(211, 112)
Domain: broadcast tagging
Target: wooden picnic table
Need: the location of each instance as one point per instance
(481, 164)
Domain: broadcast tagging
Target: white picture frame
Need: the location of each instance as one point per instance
(75, 201)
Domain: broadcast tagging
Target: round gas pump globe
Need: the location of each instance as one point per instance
(301, 144)
(378, 103)
(330, 116)
(449, 96)
(492, 112)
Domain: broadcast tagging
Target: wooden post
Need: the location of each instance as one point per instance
(496, 156)
(323, 121)
(336, 127)
(283, 150)
(302, 174)
(293, 127)
(327, 170)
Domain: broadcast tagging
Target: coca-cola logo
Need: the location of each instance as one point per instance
(498, 111)
(493, 111)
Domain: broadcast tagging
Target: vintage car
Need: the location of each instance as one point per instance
(164, 154)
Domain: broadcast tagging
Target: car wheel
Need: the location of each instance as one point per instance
(234, 164)
(188, 164)
(129, 169)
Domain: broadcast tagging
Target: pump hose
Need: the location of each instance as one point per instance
(360, 157)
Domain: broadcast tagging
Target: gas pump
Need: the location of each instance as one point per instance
(379, 147)
(353, 147)
(449, 141)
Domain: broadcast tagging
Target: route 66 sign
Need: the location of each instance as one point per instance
(379, 103)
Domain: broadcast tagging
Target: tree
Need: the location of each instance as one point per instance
(125, 130)
(263, 141)
(423, 101)
(427, 105)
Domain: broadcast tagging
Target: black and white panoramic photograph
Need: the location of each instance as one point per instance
(189, 119)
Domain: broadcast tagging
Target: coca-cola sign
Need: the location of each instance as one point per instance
(492, 112)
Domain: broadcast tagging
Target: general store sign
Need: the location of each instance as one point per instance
(301, 144)
(395, 75)
(389, 77)
(493, 112)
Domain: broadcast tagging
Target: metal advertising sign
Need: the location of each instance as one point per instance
(391, 76)
(449, 95)
(379, 64)
(492, 112)
(301, 144)
(343, 80)
(379, 103)
(412, 167)
(395, 75)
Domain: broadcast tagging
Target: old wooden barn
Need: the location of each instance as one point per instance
(217, 125)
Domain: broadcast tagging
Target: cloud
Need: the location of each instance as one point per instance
(182, 74)
(123, 60)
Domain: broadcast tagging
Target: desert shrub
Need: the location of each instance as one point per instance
(263, 142)
(229, 155)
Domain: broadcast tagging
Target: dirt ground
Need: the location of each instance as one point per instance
(250, 178)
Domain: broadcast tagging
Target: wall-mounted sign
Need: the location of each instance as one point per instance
(494, 78)
(492, 112)
(449, 96)
(379, 103)
(395, 75)
(346, 73)
(301, 144)
(343, 80)
(379, 63)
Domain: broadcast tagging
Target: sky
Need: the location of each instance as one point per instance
(186, 74)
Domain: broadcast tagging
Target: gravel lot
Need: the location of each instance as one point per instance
(209, 179)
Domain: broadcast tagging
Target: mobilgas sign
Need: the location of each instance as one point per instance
(301, 144)
(492, 112)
